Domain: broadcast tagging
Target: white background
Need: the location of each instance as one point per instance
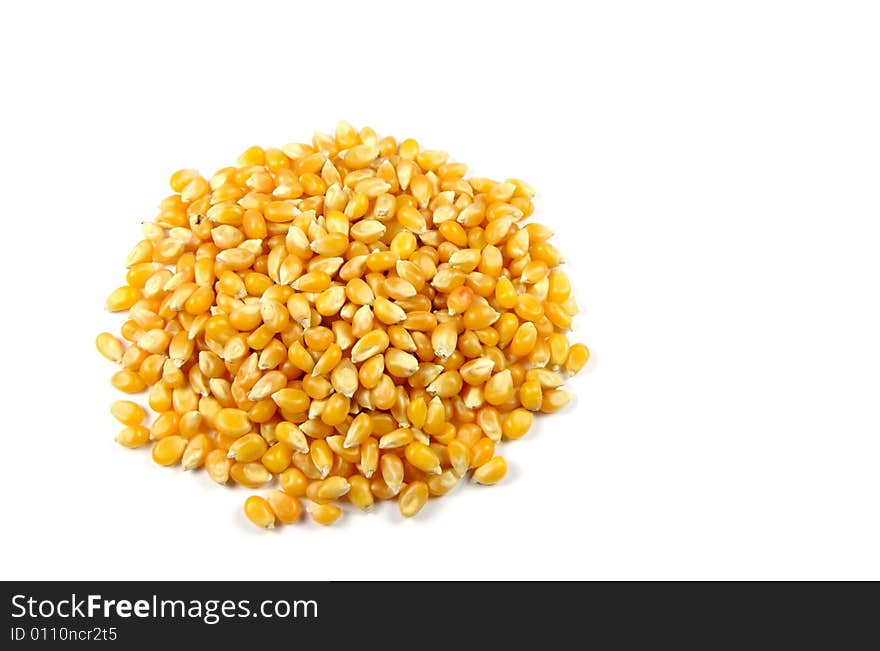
(711, 170)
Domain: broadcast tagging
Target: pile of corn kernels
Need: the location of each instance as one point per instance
(352, 318)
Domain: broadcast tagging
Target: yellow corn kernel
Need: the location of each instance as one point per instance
(190, 423)
(491, 472)
(196, 452)
(200, 301)
(122, 298)
(578, 356)
(496, 356)
(359, 292)
(332, 488)
(399, 288)
(280, 211)
(412, 498)
(435, 419)
(359, 156)
(459, 456)
(249, 447)
(554, 400)
(402, 339)
(133, 357)
(516, 423)
(534, 272)
(292, 436)
(314, 281)
(488, 419)
(372, 343)
(499, 388)
(482, 451)
(361, 320)
(445, 385)
(369, 462)
(381, 490)
(477, 371)
(331, 244)
(232, 422)
(251, 475)
(269, 384)
(359, 430)
(559, 348)
(530, 395)
(348, 455)
(322, 456)
(293, 482)
(459, 300)
(546, 252)
(183, 397)
(426, 374)
(110, 347)
(384, 395)
(411, 219)
(344, 378)
(169, 450)
(559, 289)
(325, 514)
(387, 312)
(166, 424)
(548, 379)
(488, 337)
(312, 493)
(469, 434)
(291, 400)
(318, 338)
(181, 178)
(335, 409)
(479, 316)
(127, 412)
(371, 371)
(133, 436)
(217, 465)
(285, 507)
(330, 301)
(557, 315)
(316, 387)
(360, 494)
(403, 244)
(528, 308)
(417, 412)
(505, 294)
(379, 261)
(443, 483)
(329, 359)
(524, 340)
(180, 348)
(483, 285)
(259, 511)
(396, 439)
(422, 457)
(277, 458)
(128, 381)
(272, 356)
(391, 468)
(208, 408)
(138, 274)
(130, 331)
(159, 398)
(399, 363)
(274, 315)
